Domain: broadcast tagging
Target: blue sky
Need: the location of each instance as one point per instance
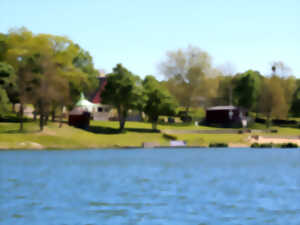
(247, 34)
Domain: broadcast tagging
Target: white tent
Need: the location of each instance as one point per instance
(85, 104)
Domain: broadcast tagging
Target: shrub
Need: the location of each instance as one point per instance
(289, 145)
(255, 145)
(218, 145)
(265, 145)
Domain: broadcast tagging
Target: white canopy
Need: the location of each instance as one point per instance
(85, 104)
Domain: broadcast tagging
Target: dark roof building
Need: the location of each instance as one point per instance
(225, 114)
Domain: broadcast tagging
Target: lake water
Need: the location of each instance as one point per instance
(159, 186)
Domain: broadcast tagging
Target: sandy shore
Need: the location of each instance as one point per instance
(274, 140)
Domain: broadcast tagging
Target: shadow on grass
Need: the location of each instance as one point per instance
(17, 131)
(109, 130)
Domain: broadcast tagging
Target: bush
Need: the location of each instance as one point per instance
(255, 145)
(289, 145)
(218, 145)
(265, 145)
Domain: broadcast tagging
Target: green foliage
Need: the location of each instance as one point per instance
(6, 70)
(190, 75)
(84, 61)
(247, 89)
(289, 145)
(51, 71)
(218, 145)
(265, 145)
(123, 91)
(6, 74)
(255, 145)
(295, 108)
(3, 46)
(225, 91)
(4, 102)
(158, 101)
(273, 103)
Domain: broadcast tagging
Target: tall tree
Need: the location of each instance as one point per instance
(187, 71)
(6, 72)
(158, 101)
(295, 106)
(247, 89)
(47, 75)
(224, 91)
(123, 92)
(19, 50)
(272, 101)
(84, 61)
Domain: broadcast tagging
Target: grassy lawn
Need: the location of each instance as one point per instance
(104, 134)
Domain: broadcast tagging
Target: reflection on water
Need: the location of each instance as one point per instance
(160, 186)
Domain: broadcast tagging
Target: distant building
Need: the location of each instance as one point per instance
(225, 114)
(101, 112)
(105, 112)
(79, 117)
(81, 114)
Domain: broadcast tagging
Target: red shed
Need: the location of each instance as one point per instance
(79, 117)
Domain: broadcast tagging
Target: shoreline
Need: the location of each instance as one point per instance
(234, 146)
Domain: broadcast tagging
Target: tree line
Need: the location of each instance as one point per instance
(50, 72)
(194, 81)
(44, 70)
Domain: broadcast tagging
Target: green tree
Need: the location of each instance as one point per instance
(6, 72)
(18, 51)
(272, 101)
(188, 72)
(123, 91)
(247, 89)
(47, 75)
(225, 91)
(158, 101)
(84, 61)
(4, 102)
(295, 106)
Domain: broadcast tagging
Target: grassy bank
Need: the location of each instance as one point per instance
(105, 134)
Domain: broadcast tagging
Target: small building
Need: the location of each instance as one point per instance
(85, 104)
(80, 116)
(225, 114)
(101, 112)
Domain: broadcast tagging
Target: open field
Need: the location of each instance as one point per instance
(104, 134)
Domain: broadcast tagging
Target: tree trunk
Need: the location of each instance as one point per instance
(154, 125)
(34, 115)
(187, 109)
(14, 107)
(41, 117)
(122, 118)
(268, 121)
(46, 118)
(53, 115)
(21, 112)
(61, 117)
